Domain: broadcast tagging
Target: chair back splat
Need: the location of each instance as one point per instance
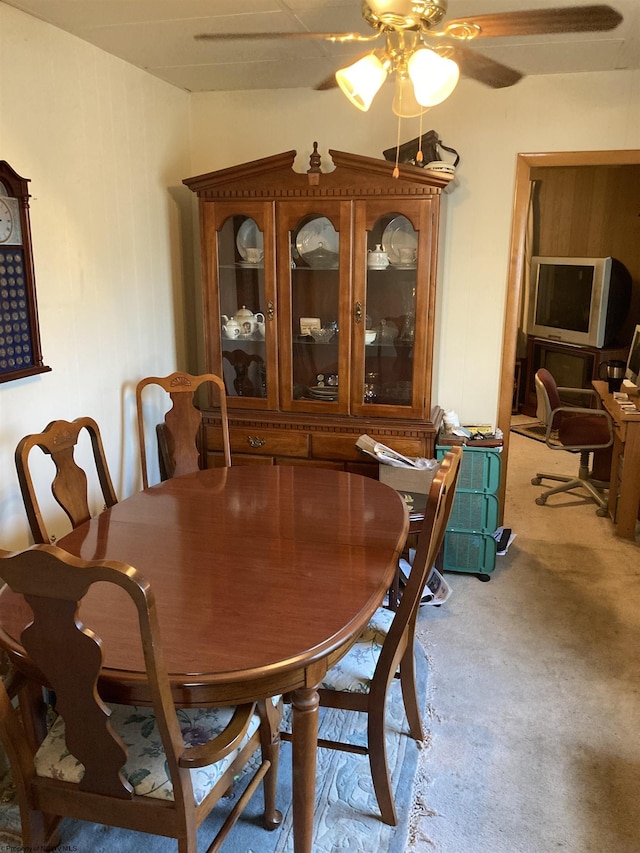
(69, 487)
(180, 437)
(116, 764)
(360, 681)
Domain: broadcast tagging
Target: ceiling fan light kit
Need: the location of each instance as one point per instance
(434, 77)
(361, 81)
(404, 103)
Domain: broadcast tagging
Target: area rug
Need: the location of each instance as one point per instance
(346, 812)
(535, 430)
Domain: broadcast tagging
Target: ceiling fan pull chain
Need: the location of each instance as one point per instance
(419, 155)
(396, 171)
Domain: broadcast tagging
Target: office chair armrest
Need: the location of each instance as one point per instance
(575, 410)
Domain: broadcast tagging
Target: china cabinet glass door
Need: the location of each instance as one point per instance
(392, 265)
(243, 346)
(313, 275)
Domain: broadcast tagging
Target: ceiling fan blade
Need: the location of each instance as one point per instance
(335, 37)
(487, 71)
(573, 19)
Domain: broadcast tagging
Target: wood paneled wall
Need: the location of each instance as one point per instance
(591, 211)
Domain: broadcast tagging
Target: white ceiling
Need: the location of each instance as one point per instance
(157, 35)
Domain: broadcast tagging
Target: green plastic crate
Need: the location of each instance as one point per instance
(474, 512)
(479, 470)
(474, 553)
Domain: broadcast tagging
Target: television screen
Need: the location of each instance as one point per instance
(564, 296)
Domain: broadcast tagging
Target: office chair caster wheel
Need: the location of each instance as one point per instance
(541, 501)
(602, 512)
(484, 578)
(535, 481)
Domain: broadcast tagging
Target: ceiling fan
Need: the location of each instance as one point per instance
(411, 26)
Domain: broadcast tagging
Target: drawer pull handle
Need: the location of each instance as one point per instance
(358, 312)
(254, 441)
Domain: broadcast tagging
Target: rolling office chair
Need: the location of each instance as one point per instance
(579, 430)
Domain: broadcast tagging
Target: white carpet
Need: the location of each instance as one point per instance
(534, 694)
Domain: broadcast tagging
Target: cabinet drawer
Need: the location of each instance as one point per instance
(268, 442)
(340, 446)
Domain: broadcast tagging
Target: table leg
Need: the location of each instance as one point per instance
(305, 704)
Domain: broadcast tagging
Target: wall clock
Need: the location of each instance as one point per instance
(20, 353)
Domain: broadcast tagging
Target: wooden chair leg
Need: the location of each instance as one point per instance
(376, 739)
(270, 744)
(410, 694)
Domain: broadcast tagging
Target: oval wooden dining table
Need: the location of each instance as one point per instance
(263, 576)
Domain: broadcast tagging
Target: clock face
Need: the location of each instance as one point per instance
(10, 231)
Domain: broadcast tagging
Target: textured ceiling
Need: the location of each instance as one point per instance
(158, 36)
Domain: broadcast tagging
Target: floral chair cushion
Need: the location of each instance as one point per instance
(354, 672)
(146, 768)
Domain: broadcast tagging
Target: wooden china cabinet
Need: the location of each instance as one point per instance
(291, 283)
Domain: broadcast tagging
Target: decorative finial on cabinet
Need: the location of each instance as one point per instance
(314, 171)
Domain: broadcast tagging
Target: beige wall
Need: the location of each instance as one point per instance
(489, 128)
(104, 145)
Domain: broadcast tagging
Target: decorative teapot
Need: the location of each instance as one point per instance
(377, 259)
(243, 323)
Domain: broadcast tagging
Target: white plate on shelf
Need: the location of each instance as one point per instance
(249, 237)
(399, 234)
(330, 395)
(318, 243)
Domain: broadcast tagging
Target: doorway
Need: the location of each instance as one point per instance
(525, 164)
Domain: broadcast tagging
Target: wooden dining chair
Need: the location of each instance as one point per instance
(361, 679)
(155, 769)
(69, 487)
(180, 437)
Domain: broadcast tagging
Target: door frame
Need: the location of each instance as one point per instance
(525, 163)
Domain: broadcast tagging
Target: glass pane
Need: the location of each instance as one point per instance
(242, 303)
(315, 283)
(390, 312)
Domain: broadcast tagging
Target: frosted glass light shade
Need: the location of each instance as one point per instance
(360, 82)
(404, 100)
(434, 77)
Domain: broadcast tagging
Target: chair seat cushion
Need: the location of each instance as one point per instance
(146, 768)
(584, 430)
(354, 672)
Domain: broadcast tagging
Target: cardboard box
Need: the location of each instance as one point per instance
(412, 483)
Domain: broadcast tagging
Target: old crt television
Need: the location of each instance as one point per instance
(632, 373)
(581, 301)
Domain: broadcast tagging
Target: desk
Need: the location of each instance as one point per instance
(263, 577)
(624, 487)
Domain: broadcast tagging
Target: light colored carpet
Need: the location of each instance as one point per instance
(534, 692)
